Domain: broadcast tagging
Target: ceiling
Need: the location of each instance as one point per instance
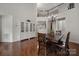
(46, 6)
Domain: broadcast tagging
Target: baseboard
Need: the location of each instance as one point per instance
(22, 40)
(32, 37)
(74, 43)
(27, 39)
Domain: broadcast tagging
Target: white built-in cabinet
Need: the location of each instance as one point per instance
(27, 27)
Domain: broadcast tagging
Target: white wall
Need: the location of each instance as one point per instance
(19, 11)
(7, 34)
(72, 23)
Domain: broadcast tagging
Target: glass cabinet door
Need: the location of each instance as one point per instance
(27, 27)
(33, 27)
(22, 26)
(30, 27)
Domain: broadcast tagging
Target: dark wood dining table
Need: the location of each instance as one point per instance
(55, 39)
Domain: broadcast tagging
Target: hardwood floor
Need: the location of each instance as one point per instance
(22, 48)
(74, 51)
(74, 48)
(29, 48)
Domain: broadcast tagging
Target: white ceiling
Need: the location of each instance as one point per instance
(46, 6)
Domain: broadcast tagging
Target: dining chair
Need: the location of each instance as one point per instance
(51, 48)
(41, 43)
(64, 48)
(58, 47)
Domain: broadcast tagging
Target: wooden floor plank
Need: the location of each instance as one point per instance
(28, 48)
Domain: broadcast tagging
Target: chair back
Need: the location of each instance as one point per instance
(67, 41)
(67, 45)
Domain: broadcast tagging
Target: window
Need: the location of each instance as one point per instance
(22, 26)
(42, 24)
(60, 25)
(71, 5)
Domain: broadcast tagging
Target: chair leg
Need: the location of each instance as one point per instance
(67, 53)
(38, 50)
